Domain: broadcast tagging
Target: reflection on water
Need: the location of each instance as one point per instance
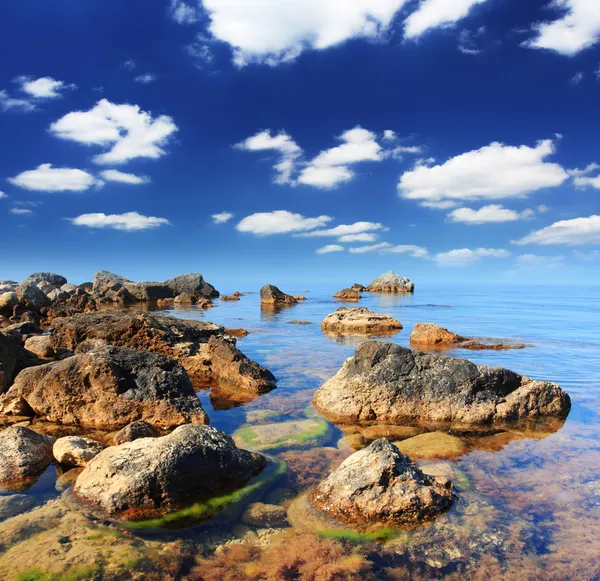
(529, 500)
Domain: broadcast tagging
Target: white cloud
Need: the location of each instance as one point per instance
(21, 211)
(280, 222)
(43, 88)
(222, 217)
(370, 248)
(274, 32)
(401, 149)
(441, 205)
(537, 261)
(3, 195)
(130, 221)
(146, 78)
(570, 232)
(331, 167)
(288, 150)
(183, 13)
(200, 51)
(466, 256)
(363, 237)
(114, 175)
(467, 40)
(493, 213)
(542, 209)
(344, 230)
(585, 171)
(8, 103)
(330, 248)
(129, 65)
(577, 79)
(389, 135)
(413, 250)
(577, 28)
(585, 182)
(46, 178)
(131, 132)
(493, 172)
(436, 13)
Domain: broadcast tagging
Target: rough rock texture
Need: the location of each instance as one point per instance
(13, 359)
(271, 295)
(189, 342)
(390, 282)
(361, 320)
(192, 283)
(55, 280)
(75, 450)
(23, 454)
(160, 474)
(40, 346)
(8, 301)
(57, 295)
(358, 287)
(31, 296)
(149, 291)
(379, 484)
(186, 299)
(386, 382)
(263, 515)
(135, 431)
(105, 281)
(431, 336)
(109, 387)
(230, 298)
(348, 294)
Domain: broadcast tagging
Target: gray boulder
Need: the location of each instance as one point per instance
(105, 281)
(379, 484)
(149, 291)
(154, 475)
(69, 288)
(76, 451)
(193, 284)
(388, 383)
(31, 296)
(23, 454)
(58, 296)
(392, 283)
(54, 279)
(46, 287)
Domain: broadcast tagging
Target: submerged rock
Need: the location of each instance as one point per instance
(348, 294)
(108, 386)
(204, 349)
(271, 295)
(154, 475)
(359, 320)
(431, 336)
(76, 451)
(391, 283)
(135, 431)
(379, 484)
(23, 454)
(263, 515)
(388, 383)
(433, 445)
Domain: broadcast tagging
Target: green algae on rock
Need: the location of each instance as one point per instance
(433, 445)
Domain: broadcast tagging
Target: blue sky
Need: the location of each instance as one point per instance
(302, 141)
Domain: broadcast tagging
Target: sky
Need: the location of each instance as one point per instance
(302, 141)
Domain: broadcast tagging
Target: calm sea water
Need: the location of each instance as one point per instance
(531, 502)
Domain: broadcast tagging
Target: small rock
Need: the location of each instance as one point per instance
(237, 332)
(75, 450)
(391, 283)
(230, 298)
(135, 431)
(347, 294)
(40, 346)
(265, 515)
(186, 299)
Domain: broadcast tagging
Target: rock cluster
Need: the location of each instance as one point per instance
(359, 320)
(391, 283)
(384, 382)
(431, 336)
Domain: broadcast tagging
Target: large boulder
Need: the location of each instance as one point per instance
(348, 294)
(8, 301)
(149, 291)
(108, 387)
(359, 320)
(31, 296)
(193, 284)
(270, 295)
(379, 484)
(154, 475)
(105, 281)
(13, 358)
(55, 280)
(23, 454)
(385, 382)
(76, 451)
(204, 349)
(391, 283)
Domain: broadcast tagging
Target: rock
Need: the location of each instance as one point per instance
(55, 280)
(40, 346)
(122, 296)
(76, 451)
(237, 332)
(238, 294)
(300, 322)
(379, 484)
(192, 283)
(109, 387)
(388, 383)
(135, 431)
(57, 295)
(358, 288)
(229, 298)
(154, 475)
(46, 287)
(87, 287)
(149, 291)
(23, 454)
(8, 301)
(347, 294)
(271, 295)
(22, 331)
(204, 304)
(189, 342)
(70, 288)
(15, 504)
(392, 283)
(263, 515)
(186, 299)
(13, 359)
(105, 281)
(359, 320)
(31, 296)
(431, 336)
(31, 317)
(433, 445)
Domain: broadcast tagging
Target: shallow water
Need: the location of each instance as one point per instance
(529, 506)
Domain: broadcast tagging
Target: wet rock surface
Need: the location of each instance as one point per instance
(348, 294)
(23, 454)
(270, 295)
(387, 383)
(348, 320)
(264, 515)
(76, 450)
(391, 283)
(135, 431)
(379, 484)
(154, 475)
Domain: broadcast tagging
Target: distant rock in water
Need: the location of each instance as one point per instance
(358, 287)
(271, 296)
(23, 454)
(156, 475)
(230, 297)
(431, 336)
(388, 383)
(379, 484)
(391, 283)
(347, 320)
(348, 294)
(194, 284)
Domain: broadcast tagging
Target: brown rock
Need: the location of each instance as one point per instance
(135, 431)
(270, 295)
(75, 450)
(360, 320)
(230, 298)
(237, 332)
(347, 294)
(23, 454)
(40, 346)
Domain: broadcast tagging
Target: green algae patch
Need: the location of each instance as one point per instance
(358, 538)
(202, 511)
(78, 574)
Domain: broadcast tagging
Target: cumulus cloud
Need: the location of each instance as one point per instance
(46, 178)
(493, 213)
(21, 211)
(222, 217)
(8, 103)
(330, 248)
(466, 256)
(146, 78)
(576, 28)
(128, 131)
(114, 175)
(389, 135)
(273, 32)
(345, 230)
(441, 205)
(280, 222)
(183, 13)
(493, 172)
(581, 177)
(362, 237)
(129, 222)
(435, 14)
(43, 88)
(569, 232)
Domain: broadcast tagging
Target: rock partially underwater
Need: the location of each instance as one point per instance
(359, 321)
